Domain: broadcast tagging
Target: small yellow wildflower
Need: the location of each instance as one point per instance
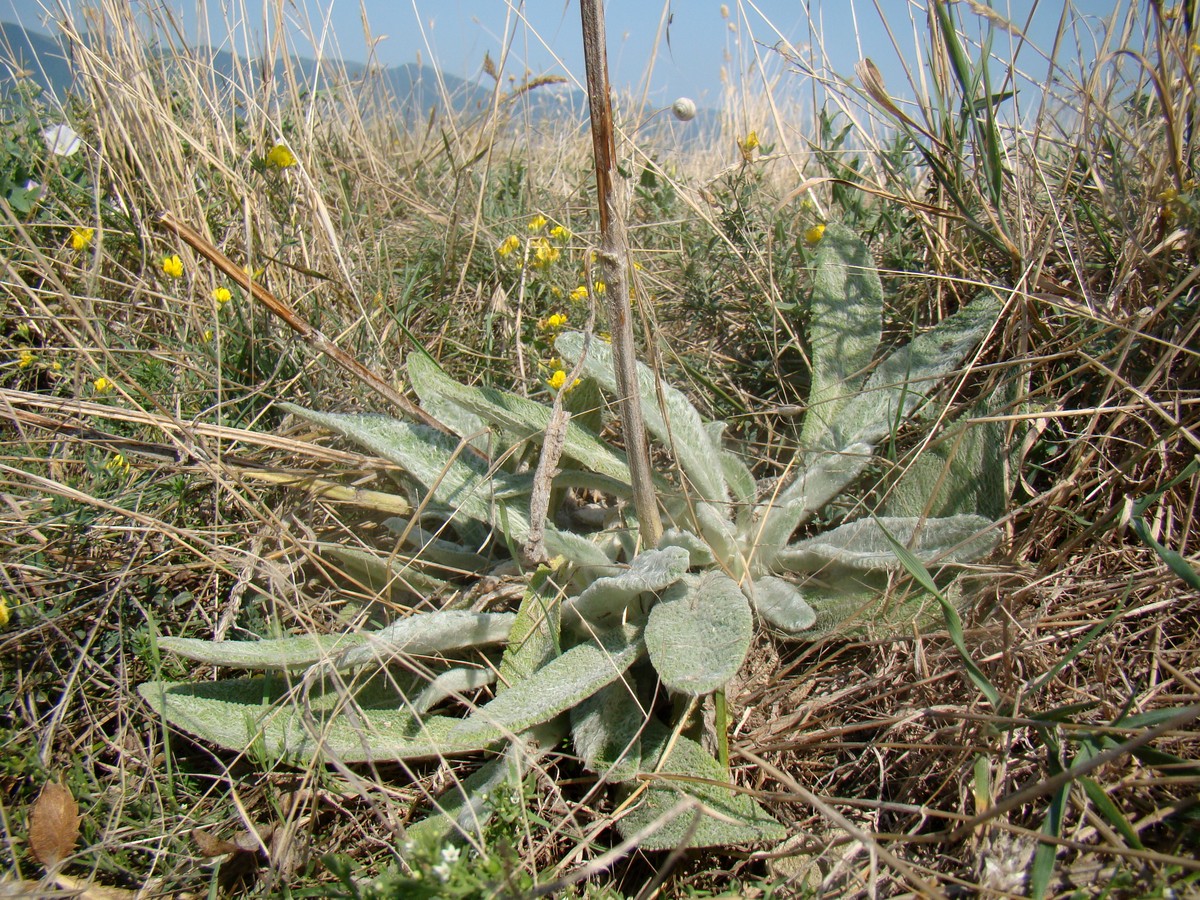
(558, 379)
(81, 238)
(578, 295)
(5, 614)
(25, 359)
(56, 368)
(254, 274)
(173, 266)
(538, 222)
(814, 234)
(509, 245)
(560, 234)
(553, 363)
(600, 287)
(117, 463)
(557, 320)
(545, 254)
(222, 295)
(280, 157)
(748, 145)
(102, 385)
(207, 336)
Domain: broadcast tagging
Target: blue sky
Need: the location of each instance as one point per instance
(543, 35)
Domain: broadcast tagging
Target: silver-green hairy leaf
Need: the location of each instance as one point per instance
(607, 731)
(518, 416)
(606, 600)
(699, 633)
(782, 605)
(863, 544)
(241, 714)
(681, 429)
(426, 634)
(451, 683)
(910, 373)
(274, 653)
(845, 324)
(553, 689)
(534, 638)
(434, 460)
(696, 812)
(699, 553)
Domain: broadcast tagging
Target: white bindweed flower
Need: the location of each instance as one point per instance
(61, 140)
(684, 109)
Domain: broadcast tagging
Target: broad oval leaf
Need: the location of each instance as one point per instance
(699, 633)
(606, 729)
(782, 605)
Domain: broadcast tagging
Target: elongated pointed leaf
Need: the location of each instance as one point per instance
(426, 634)
(898, 384)
(559, 685)
(451, 683)
(845, 324)
(699, 633)
(273, 653)
(434, 460)
(681, 429)
(519, 416)
(697, 813)
(534, 638)
(864, 544)
(254, 712)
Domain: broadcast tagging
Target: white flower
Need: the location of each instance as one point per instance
(450, 855)
(684, 109)
(61, 140)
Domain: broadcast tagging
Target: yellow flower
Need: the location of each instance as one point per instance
(509, 245)
(102, 385)
(5, 614)
(117, 463)
(600, 287)
(751, 141)
(544, 253)
(254, 274)
(558, 379)
(814, 234)
(222, 295)
(579, 294)
(559, 233)
(538, 222)
(25, 359)
(553, 363)
(280, 157)
(81, 238)
(56, 367)
(553, 322)
(207, 336)
(173, 266)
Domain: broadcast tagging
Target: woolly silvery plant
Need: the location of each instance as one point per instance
(606, 625)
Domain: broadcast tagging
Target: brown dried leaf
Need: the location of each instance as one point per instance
(53, 824)
(210, 846)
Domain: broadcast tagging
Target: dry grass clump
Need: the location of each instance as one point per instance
(149, 486)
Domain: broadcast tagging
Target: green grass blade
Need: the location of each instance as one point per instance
(921, 575)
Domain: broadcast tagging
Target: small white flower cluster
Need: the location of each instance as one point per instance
(449, 858)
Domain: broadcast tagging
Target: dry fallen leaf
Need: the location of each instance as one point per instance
(212, 846)
(53, 824)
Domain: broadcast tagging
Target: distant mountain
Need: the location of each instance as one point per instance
(418, 90)
(412, 91)
(26, 54)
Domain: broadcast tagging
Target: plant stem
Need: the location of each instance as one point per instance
(722, 727)
(614, 264)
